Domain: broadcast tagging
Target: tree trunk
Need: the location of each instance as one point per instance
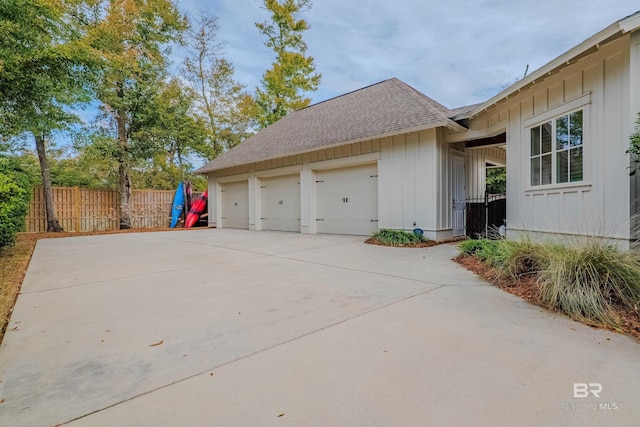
(52, 222)
(124, 181)
(124, 189)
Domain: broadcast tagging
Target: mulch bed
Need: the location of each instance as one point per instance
(424, 244)
(526, 288)
(52, 235)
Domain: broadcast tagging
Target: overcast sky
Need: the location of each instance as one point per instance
(458, 52)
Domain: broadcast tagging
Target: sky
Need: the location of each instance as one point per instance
(458, 52)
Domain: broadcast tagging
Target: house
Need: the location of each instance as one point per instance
(387, 156)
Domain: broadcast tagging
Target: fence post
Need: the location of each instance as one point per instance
(76, 208)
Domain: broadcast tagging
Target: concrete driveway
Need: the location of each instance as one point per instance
(231, 328)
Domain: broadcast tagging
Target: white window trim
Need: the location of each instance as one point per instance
(580, 103)
(560, 110)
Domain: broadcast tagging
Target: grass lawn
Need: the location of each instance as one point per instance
(14, 261)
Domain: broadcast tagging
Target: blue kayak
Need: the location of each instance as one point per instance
(178, 205)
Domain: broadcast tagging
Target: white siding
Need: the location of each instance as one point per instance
(634, 109)
(213, 202)
(414, 183)
(599, 205)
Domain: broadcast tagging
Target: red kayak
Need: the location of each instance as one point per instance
(196, 209)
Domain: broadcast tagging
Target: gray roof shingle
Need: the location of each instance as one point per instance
(459, 112)
(386, 108)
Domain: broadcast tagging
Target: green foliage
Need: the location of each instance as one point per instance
(167, 125)
(494, 252)
(390, 237)
(587, 281)
(15, 190)
(293, 71)
(513, 259)
(590, 281)
(43, 67)
(133, 38)
(634, 149)
(496, 180)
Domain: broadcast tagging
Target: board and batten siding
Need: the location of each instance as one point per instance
(477, 159)
(634, 110)
(302, 164)
(415, 184)
(599, 205)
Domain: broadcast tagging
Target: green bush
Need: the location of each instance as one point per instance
(15, 190)
(586, 281)
(389, 237)
(591, 280)
(512, 259)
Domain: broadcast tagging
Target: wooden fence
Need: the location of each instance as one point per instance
(84, 209)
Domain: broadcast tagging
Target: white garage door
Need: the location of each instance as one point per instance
(235, 205)
(347, 200)
(280, 203)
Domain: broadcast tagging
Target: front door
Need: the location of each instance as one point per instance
(458, 189)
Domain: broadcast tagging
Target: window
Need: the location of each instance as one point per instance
(557, 150)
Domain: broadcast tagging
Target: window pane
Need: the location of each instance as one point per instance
(576, 128)
(576, 164)
(546, 169)
(535, 141)
(562, 166)
(562, 133)
(535, 171)
(546, 137)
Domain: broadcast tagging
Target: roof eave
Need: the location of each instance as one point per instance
(449, 124)
(607, 35)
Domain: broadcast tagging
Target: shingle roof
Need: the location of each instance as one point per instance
(386, 108)
(461, 111)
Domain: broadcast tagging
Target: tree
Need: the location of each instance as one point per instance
(293, 71)
(496, 180)
(174, 132)
(220, 100)
(133, 38)
(634, 149)
(43, 71)
(15, 190)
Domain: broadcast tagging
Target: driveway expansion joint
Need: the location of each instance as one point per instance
(255, 353)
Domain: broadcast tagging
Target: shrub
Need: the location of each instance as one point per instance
(591, 280)
(586, 281)
(15, 190)
(389, 237)
(472, 247)
(512, 259)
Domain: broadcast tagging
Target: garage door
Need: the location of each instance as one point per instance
(235, 205)
(280, 203)
(347, 200)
